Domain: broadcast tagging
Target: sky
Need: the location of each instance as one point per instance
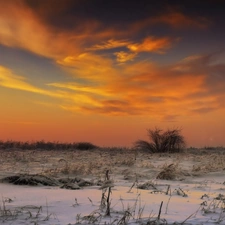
(105, 71)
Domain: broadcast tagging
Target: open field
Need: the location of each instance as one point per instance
(112, 186)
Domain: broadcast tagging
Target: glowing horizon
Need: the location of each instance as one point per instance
(89, 71)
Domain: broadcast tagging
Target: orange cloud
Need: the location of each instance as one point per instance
(90, 66)
(140, 88)
(109, 45)
(151, 44)
(147, 89)
(24, 28)
(158, 92)
(98, 91)
(174, 19)
(179, 20)
(122, 56)
(10, 80)
(20, 27)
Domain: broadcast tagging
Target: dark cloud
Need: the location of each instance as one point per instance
(68, 14)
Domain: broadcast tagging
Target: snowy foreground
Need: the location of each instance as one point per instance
(187, 188)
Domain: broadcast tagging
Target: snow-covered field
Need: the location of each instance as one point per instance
(137, 188)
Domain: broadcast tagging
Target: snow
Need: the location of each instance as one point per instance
(192, 198)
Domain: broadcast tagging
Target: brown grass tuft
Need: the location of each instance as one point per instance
(170, 172)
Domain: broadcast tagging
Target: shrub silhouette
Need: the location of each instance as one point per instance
(43, 145)
(167, 141)
(84, 146)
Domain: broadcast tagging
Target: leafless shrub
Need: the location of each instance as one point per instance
(167, 141)
(144, 145)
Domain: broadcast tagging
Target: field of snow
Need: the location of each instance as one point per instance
(111, 186)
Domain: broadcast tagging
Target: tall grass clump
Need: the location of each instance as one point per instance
(162, 141)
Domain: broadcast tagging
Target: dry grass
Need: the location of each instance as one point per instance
(89, 162)
(24, 214)
(94, 163)
(210, 163)
(171, 172)
(33, 180)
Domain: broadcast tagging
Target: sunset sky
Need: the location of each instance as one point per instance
(105, 71)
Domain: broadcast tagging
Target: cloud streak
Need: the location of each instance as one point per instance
(20, 27)
(174, 19)
(110, 44)
(123, 57)
(177, 19)
(151, 44)
(10, 80)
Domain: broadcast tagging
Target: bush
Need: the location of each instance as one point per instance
(42, 145)
(84, 146)
(167, 141)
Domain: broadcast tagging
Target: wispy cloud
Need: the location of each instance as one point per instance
(82, 89)
(18, 23)
(151, 44)
(177, 19)
(90, 67)
(137, 89)
(123, 56)
(110, 44)
(20, 27)
(144, 88)
(10, 80)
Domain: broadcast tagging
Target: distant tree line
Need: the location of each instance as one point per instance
(46, 145)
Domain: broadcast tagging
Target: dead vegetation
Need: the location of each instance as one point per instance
(29, 179)
(46, 145)
(170, 141)
(91, 164)
(37, 180)
(210, 163)
(171, 172)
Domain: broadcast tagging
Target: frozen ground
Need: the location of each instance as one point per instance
(190, 188)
